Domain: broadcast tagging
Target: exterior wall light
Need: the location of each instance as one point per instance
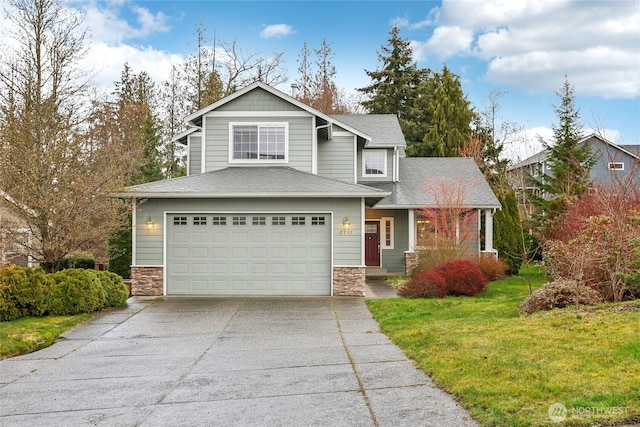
(149, 223)
(346, 224)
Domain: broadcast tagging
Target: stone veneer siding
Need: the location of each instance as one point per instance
(410, 261)
(146, 281)
(349, 281)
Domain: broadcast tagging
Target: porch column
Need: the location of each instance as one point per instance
(412, 230)
(488, 230)
(410, 255)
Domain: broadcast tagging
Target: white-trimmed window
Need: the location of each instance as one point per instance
(374, 163)
(258, 142)
(616, 166)
(386, 240)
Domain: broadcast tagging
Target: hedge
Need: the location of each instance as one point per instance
(32, 292)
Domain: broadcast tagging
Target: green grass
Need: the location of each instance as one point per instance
(507, 369)
(29, 334)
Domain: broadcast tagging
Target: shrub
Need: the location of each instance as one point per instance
(491, 267)
(462, 277)
(424, 284)
(508, 232)
(560, 294)
(78, 260)
(115, 289)
(76, 291)
(23, 292)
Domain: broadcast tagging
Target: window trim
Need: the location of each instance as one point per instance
(613, 166)
(386, 166)
(284, 125)
(387, 222)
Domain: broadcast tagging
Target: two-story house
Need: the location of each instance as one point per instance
(281, 199)
(615, 165)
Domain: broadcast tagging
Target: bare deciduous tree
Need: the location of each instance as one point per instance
(57, 164)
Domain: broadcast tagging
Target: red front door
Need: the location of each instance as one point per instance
(372, 244)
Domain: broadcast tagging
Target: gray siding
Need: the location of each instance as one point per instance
(217, 135)
(335, 158)
(347, 249)
(195, 155)
(258, 100)
(390, 165)
(393, 259)
(604, 155)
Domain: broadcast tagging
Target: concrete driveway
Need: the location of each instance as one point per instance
(224, 362)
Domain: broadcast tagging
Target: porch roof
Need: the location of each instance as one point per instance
(436, 181)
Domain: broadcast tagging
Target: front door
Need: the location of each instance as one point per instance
(372, 244)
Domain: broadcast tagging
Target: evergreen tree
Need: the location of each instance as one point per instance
(399, 88)
(135, 93)
(508, 231)
(568, 164)
(451, 116)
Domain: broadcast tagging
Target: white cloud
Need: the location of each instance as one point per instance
(276, 30)
(533, 43)
(107, 24)
(107, 61)
(445, 42)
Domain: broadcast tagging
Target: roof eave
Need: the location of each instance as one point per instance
(183, 195)
(383, 206)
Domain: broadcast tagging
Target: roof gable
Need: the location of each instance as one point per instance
(544, 154)
(195, 119)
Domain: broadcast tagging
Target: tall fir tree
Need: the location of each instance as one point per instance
(135, 93)
(451, 117)
(399, 87)
(569, 163)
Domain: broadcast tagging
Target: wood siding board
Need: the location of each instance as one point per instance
(335, 158)
(195, 154)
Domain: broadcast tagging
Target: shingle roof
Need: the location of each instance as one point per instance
(273, 181)
(414, 190)
(384, 129)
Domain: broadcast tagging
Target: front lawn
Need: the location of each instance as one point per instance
(29, 334)
(509, 369)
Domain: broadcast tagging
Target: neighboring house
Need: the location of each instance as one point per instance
(281, 199)
(15, 237)
(614, 165)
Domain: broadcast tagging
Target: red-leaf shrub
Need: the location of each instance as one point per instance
(492, 267)
(462, 277)
(424, 284)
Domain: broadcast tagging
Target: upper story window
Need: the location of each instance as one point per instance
(374, 163)
(616, 166)
(258, 142)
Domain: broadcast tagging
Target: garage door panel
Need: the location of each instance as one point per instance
(179, 253)
(254, 254)
(199, 268)
(200, 253)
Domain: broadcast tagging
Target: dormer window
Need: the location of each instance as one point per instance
(258, 142)
(374, 163)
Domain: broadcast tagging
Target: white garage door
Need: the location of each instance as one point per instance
(248, 254)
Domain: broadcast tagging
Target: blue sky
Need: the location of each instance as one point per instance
(523, 47)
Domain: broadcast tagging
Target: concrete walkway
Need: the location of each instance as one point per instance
(224, 362)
